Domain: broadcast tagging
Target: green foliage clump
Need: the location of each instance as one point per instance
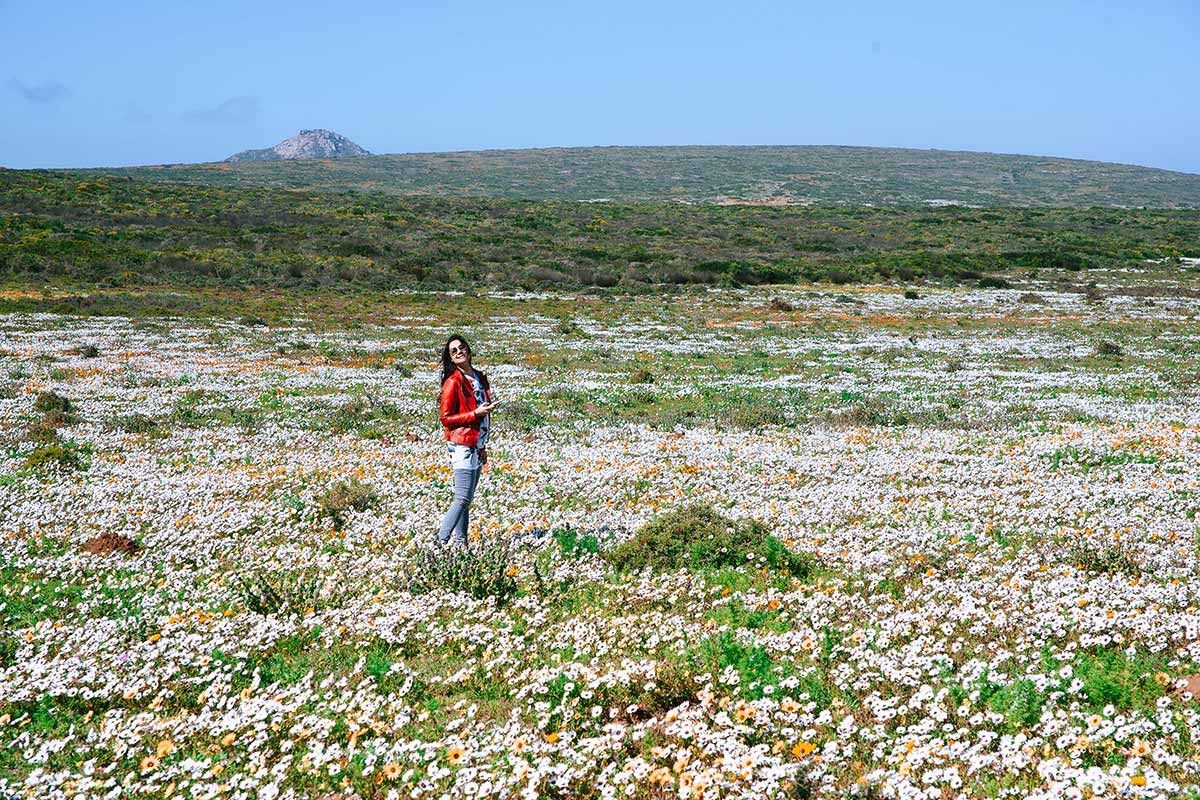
(698, 537)
(481, 569)
(336, 502)
(521, 415)
(138, 422)
(1116, 558)
(267, 594)
(61, 454)
(48, 402)
(574, 544)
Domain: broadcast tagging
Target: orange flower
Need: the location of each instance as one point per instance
(390, 772)
(455, 755)
(803, 749)
(551, 737)
(1138, 780)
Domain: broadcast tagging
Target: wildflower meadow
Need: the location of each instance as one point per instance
(819, 542)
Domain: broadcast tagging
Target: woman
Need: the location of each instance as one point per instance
(464, 406)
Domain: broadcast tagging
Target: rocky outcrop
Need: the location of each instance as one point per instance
(316, 143)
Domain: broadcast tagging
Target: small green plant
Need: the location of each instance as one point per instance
(698, 537)
(481, 569)
(61, 454)
(286, 593)
(1117, 557)
(520, 415)
(1109, 349)
(574, 544)
(48, 402)
(336, 502)
(568, 327)
(138, 423)
(641, 375)
(912, 294)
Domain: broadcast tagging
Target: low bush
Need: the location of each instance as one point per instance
(641, 375)
(698, 537)
(483, 570)
(138, 423)
(62, 454)
(336, 502)
(266, 593)
(520, 415)
(574, 544)
(1112, 558)
(50, 402)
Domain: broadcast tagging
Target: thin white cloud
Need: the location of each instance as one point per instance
(234, 111)
(48, 92)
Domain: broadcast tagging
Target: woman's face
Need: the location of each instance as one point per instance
(460, 354)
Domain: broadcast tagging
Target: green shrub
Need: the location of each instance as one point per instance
(641, 375)
(341, 498)
(573, 544)
(1109, 349)
(265, 593)
(1115, 558)
(49, 402)
(520, 415)
(65, 455)
(482, 570)
(138, 423)
(697, 537)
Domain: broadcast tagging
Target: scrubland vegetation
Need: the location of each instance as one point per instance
(62, 230)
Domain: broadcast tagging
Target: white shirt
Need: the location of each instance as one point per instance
(461, 456)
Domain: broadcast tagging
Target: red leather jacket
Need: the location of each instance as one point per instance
(456, 408)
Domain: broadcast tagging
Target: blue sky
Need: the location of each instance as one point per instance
(95, 84)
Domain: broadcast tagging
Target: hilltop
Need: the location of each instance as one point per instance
(768, 175)
(307, 144)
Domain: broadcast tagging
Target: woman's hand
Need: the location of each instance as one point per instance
(484, 410)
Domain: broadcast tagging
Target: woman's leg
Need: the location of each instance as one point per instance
(464, 489)
(464, 520)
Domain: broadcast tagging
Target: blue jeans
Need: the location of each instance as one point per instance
(459, 516)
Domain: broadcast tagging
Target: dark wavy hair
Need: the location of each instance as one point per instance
(448, 366)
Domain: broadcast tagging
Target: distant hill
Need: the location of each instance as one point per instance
(765, 175)
(307, 144)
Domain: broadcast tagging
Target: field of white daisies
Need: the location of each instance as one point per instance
(216, 580)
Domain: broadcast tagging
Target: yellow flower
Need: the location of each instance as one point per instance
(1138, 780)
(789, 706)
(165, 748)
(148, 763)
(551, 737)
(228, 739)
(455, 755)
(391, 772)
(1140, 748)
